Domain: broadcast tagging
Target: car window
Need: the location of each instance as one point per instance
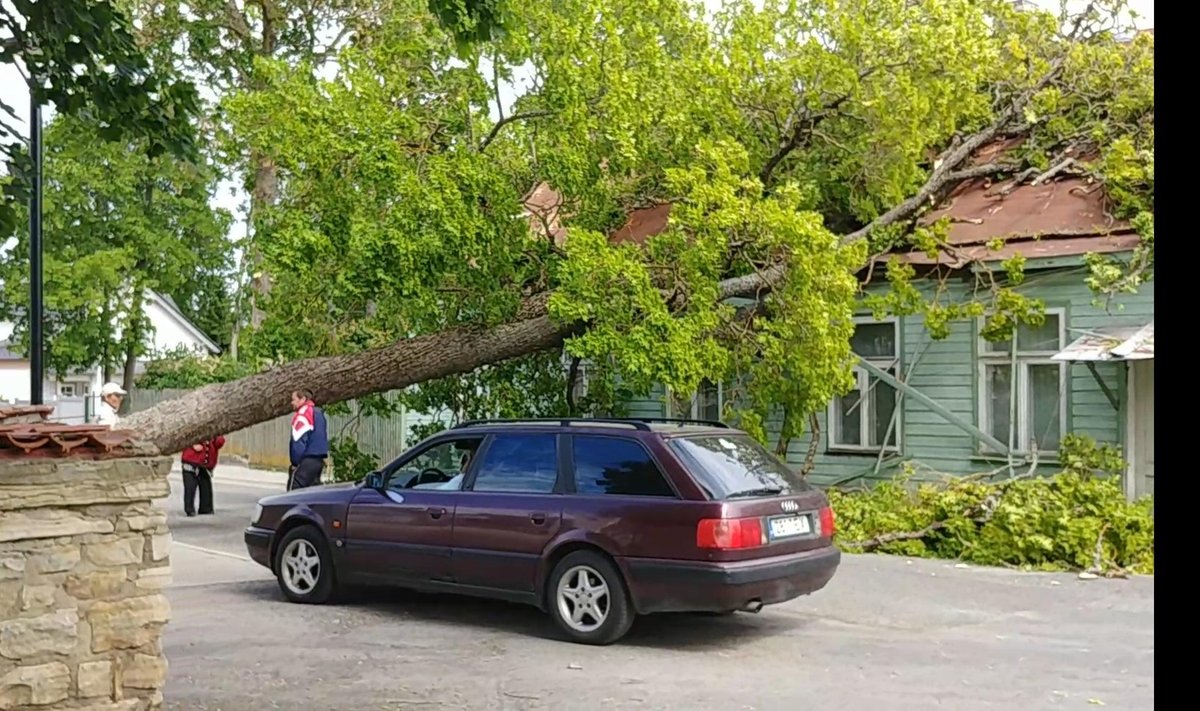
(616, 467)
(733, 466)
(442, 465)
(519, 463)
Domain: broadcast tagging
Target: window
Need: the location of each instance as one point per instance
(66, 389)
(707, 403)
(442, 466)
(1026, 406)
(616, 467)
(733, 466)
(519, 463)
(861, 418)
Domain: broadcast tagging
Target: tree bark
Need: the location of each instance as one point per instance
(227, 407)
(133, 334)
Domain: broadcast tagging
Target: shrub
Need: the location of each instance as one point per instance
(350, 462)
(1070, 521)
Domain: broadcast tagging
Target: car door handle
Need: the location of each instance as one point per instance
(537, 518)
(435, 512)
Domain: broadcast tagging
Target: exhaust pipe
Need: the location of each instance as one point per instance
(754, 606)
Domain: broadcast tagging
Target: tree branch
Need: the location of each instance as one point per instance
(507, 120)
(331, 48)
(235, 21)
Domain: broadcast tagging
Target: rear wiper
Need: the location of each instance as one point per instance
(766, 491)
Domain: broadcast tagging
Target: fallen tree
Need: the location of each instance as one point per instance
(737, 229)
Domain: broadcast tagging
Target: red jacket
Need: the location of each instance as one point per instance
(206, 457)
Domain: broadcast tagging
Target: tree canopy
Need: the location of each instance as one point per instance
(791, 140)
(82, 57)
(118, 222)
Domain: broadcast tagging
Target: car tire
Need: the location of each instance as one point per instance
(304, 567)
(587, 598)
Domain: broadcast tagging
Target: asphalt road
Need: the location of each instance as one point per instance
(888, 633)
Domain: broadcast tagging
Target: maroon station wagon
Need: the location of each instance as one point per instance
(594, 521)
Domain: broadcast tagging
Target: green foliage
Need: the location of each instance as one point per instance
(82, 57)
(1074, 520)
(188, 371)
(349, 461)
(1081, 455)
(118, 222)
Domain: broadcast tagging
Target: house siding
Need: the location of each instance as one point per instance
(947, 371)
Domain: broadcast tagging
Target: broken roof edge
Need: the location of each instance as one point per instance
(1110, 343)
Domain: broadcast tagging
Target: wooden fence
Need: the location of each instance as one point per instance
(265, 445)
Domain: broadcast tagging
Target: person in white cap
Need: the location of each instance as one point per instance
(111, 396)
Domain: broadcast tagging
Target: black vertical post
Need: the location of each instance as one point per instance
(36, 367)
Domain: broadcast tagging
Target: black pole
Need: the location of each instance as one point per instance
(36, 367)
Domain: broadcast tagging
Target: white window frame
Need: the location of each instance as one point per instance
(67, 389)
(694, 404)
(1024, 360)
(833, 417)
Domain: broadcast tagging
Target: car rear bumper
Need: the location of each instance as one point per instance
(684, 586)
(258, 544)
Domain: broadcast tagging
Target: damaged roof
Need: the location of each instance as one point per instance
(1064, 216)
(1110, 344)
(545, 205)
(1067, 215)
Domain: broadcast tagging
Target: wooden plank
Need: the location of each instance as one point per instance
(951, 417)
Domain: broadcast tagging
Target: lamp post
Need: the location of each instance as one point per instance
(36, 366)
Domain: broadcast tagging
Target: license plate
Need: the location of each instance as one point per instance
(787, 526)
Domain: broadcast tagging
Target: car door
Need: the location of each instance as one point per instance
(509, 513)
(399, 533)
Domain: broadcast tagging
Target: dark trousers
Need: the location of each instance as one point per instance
(195, 477)
(307, 473)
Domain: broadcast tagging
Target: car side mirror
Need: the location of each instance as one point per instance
(374, 480)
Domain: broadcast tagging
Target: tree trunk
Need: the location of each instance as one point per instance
(264, 195)
(227, 407)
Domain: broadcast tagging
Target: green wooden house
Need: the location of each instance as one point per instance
(962, 405)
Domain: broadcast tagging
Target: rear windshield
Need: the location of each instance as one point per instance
(735, 466)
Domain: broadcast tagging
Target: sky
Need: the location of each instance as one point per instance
(230, 196)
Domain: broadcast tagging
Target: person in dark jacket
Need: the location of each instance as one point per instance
(199, 462)
(310, 444)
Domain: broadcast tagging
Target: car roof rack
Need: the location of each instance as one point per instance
(638, 423)
(562, 421)
(683, 421)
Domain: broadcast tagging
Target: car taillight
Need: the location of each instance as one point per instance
(730, 533)
(828, 523)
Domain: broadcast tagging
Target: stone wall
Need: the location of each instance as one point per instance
(83, 563)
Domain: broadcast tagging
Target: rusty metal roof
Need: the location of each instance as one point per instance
(642, 224)
(958, 257)
(544, 205)
(980, 211)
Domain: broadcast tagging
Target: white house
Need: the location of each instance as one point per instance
(73, 392)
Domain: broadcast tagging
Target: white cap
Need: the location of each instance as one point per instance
(112, 389)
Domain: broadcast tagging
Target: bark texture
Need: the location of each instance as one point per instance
(227, 407)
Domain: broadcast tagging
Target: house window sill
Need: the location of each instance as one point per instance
(1018, 457)
(849, 451)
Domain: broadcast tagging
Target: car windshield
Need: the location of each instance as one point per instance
(735, 466)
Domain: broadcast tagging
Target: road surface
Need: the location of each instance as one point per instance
(888, 633)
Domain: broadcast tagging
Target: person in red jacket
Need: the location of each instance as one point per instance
(199, 461)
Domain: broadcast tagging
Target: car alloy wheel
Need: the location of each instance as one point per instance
(301, 567)
(583, 599)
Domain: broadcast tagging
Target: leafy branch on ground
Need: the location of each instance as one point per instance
(1078, 519)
